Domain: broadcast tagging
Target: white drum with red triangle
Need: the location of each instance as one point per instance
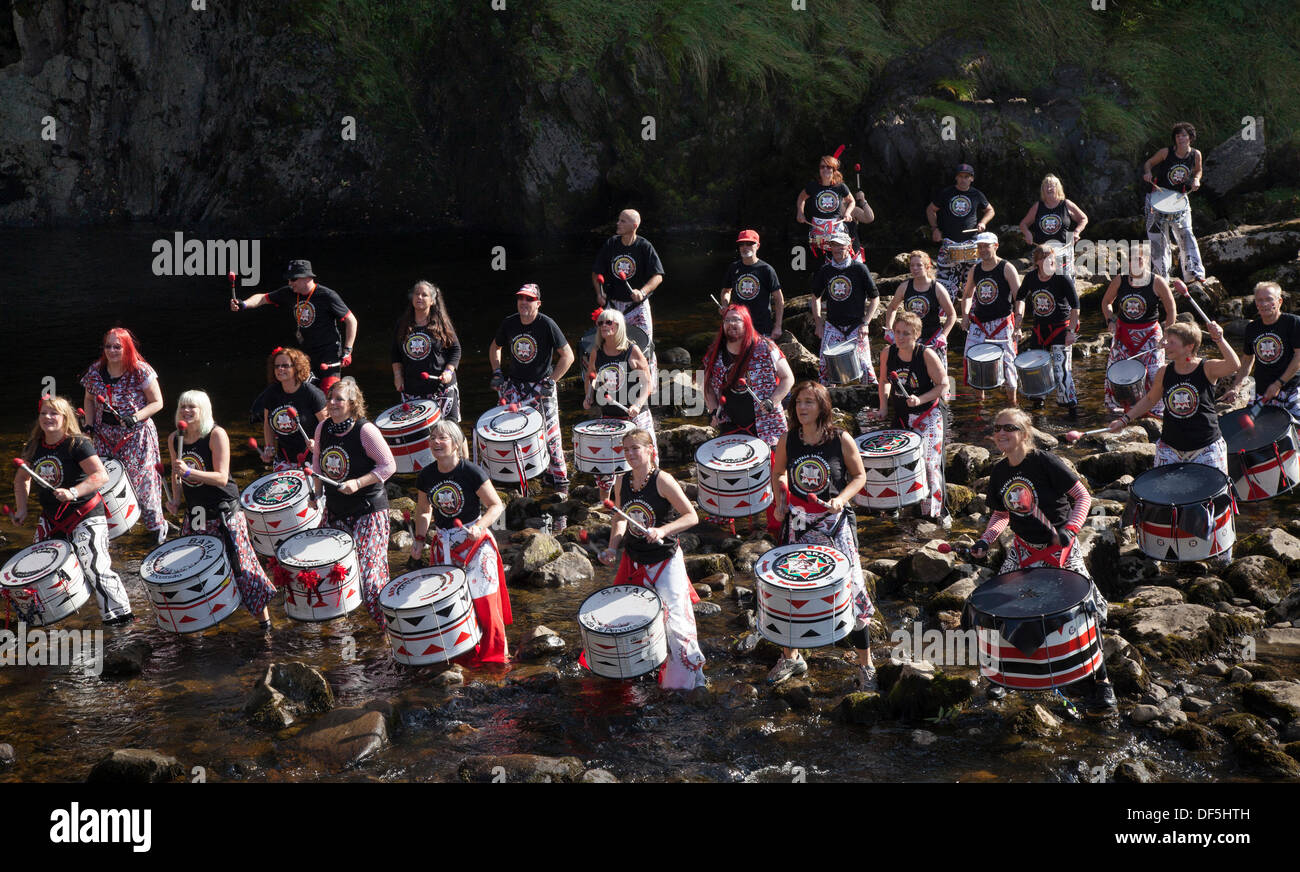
(324, 579)
(405, 428)
(895, 467)
(511, 445)
(190, 583)
(276, 506)
(598, 446)
(120, 503)
(44, 583)
(430, 615)
(804, 600)
(622, 629)
(733, 476)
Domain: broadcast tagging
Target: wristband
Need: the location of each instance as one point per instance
(185, 473)
(419, 538)
(242, 305)
(347, 349)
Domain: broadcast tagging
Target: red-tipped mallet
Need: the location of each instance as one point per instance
(293, 413)
(18, 462)
(338, 364)
(307, 469)
(857, 175)
(1187, 292)
(947, 548)
(632, 522)
(623, 275)
(743, 384)
(1073, 436)
(231, 276)
(103, 401)
(513, 407)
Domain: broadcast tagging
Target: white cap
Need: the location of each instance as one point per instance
(986, 237)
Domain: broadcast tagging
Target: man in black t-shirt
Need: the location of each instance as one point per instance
(955, 214)
(756, 287)
(529, 340)
(625, 274)
(1273, 351)
(317, 311)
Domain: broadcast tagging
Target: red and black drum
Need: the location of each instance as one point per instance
(1037, 628)
(1263, 460)
(405, 428)
(1182, 511)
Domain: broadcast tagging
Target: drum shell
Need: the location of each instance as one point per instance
(409, 440)
(1160, 538)
(895, 477)
(843, 366)
(984, 373)
(598, 446)
(120, 502)
(270, 524)
(330, 599)
(497, 453)
(1036, 374)
(57, 578)
(1127, 379)
(804, 615)
(963, 252)
(202, 597)
(434, 627)
(627, 647)
(1259, 473)
(733, 489)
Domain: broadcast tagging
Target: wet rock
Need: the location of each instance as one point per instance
(706, 609)
(701, 566)
(538, 551)
(673, 358)
(927, 566)
(1208, 591)
(569, 568)
(1195, 737)
(1037, 721)
(703, 591)
(1273, 699)
(1185, 630)
(1272, 542)
(797, 693)
(7, 755)
(450, 677)
(1195, 705)
(1155, 595)
(748, 554)
(401, 541)
(958, 497)
(863, 708)
(1288, 609)
(1144, 714)
(1260, 579)
(717, 581)
(923, 738)
(516, 768)
(1132, 772)
(343, 737)
(126, 656)
(1125, 664)
(678, 444)
(285, 692)
(966, 463)
(1215, 667)
(1261, 754)
(540, 643)
(601, 776)
(1134, 459)
(953, 596)
(1284, 641)
(136, 766)
(1239, 675)
(922, 690)
(540, 679)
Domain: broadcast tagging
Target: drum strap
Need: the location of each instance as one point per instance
(1002, 325)
(1134, 336)
(1046, 341)
(66, 518)
(631, 572)
(1053, 555)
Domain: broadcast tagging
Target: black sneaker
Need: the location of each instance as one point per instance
(120, 619)
(995, 692)
(1072, 411)
(1103, 700)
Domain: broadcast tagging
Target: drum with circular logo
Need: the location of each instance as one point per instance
(622, 629)
(276, 506)
(598, 446)
(190, 584)
(324, 580)
(430, 615)
(984, 366)
(1182, 511)
(962, 252)
(511, 444)
(895, 467)
(733, 476)
(804, 596)
(1036, 373)
(1263, 457)
(44, 582)
(405, 428)
(120, 503)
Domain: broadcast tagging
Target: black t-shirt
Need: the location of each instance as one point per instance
(418, 352)
(649, 509)
(453, 495)
(307, 400)
(1137, 305)
(1044, 482)
(814, 470)
(1049, 302)
(613, 380)
(739, 405)
(824, 201)
(60, 466)
(752, 287)
(1191, 421)
(526, 349)
(317, 315)
(211, 497)
(913, 375)
(846, 291)
(992, 293)
(638, 262)
(958, 211)
(1273, 346)
(1175, 173)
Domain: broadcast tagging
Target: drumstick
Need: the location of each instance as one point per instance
(946, 548)
(167, 491)
(307, 469)
(623, 275)
(857, 175)
(609, 400)
(1073, 436)
(1139, 354)
(1187, 292)
(743, 384)
(103, 401)
(293, 413)
(336, 364)
(716, 302)
(632, 522)
(231, 276)
(21, 464)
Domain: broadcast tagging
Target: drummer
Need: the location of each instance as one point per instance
(620, 386)
(825, 204)
(652, 556)
(1133, 305)
(289, 402)
(317, 311)
(1055, 306)
(530, 339)
(756, 287)
(1176, 167)
(460, 492)
(924, 378)
(1050, 220)
(928, 300)
(1273, 352)
(71, 508)
(955, 214)
(426, 352)
(737, 352)
(351, 451)
(1045, 503)
(200, 474)
(623, 262)
(819, 472)
(845, 300)
(987, 306)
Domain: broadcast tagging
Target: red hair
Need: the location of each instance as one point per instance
(747, 342)
(131, 357)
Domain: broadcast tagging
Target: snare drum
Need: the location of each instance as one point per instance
(895, 466)
(1037, 375)
(734, 476)
(430, 615)
(1037, 628)
(405, 428)
(962, 252)
(1168, 204)
(1127, 380)
(45, 582)
(843, 366)
(823, 229)
(622, 629)
(804, 597)
(1183, 512)
(190, 583)
(598, 446)
(276, 507)
(1262, 460)
(984, 366)
(324, 581)
(120, 503)
(511, 446)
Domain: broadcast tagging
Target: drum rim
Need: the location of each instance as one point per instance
(1267, 412)
(317, 532)
(530, 414)
(630, 629)
(252, 486)
(735, 438)
(847, 562)
(58, 544)
(1166, 195)
(581, 426)
(911, 446)
(434, 410)
(1028, 352)
(177, 543)
(429, 571)
(970, 355)
(986, 589)
(1170, 469)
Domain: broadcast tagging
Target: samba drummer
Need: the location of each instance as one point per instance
(1045, 503)
(652, 556)
(71, 507)
(754, 284)
(1176, 167)
(464, 505)
(291, 408)
(1273, 352)
(1133, 305)
(826, 204)
(987, 301)
(1054, 303)
(928, 299)
(620, 386)
(1056, 222)
(739, 352)
(955, 214)
(426, 352)
(845, 299)
(200, 464)
(819, 471)
(626, 256)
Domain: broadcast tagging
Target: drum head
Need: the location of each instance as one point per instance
(1126, 372)
(398, 417)
(619, 608)
(273, 491)
(115, 471)
(733, 452)
(1169, 202)
(181, 559)
(1269, 426)
(1179, 484)
(422, 587)
(886, 443)
(604, 427)
(802, 567)
(34, 562)
(985, 352)
(1028, 605)
(1034, 359)
(502, 425)
(846, 347)
(319, 547)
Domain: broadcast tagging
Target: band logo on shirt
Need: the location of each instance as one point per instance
(449, 499)
(1049, 223)
(1019, 496)
(1044, 303)
(1133, 307)
(1183, 401)
(840, 288)
(919, 306)
(828, 202)
(192, 458)
(1268, 348)
(50, 470)
(747, 287)
(524, 348)
(986, 291)
(305, 312)
(960, 205)
(623, 264)
(334, 461)
(418, 346)
(639, 510)
(811, 474)
(1177, 174)
(282, 422)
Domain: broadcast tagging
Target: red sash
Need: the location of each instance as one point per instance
(1131, 335)
(990, 336)
(1055, 555)
(1046, 342)
(631, 572)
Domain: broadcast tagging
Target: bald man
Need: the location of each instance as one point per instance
(631, 270)
(1273, 352)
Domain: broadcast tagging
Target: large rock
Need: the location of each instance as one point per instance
(1236, 164)
(954, 596)
(569, 568)
(921, 691)
(136, 766)
(966, 463)
(343, 737)
(803, 363)
(1238, 252)
(1156, 595)
(701, 566)
(678, 444)
(1184, 630)
(928, 567)
(285, 692)
(1260, 579)
(1273, 699)
(1133, 459)
(1272, 542)
(520, 768)
(1279, 640)
(538, 551)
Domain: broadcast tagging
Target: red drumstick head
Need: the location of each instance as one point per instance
(231, 276)
(406, 515)
(302, 458)
(425, 376)
(292, 412)
(324, 366)
(1247, 422)
(742, 383)
(622, 275)
(722, 400)
(600, 278)
(252, 443)
(1073, 436)
(18, 461)
(101, 398)
(406, 407)
(609, 504)
(457, 523)
(513, 407)
(182, 426)
(857, 168)
(158, 468)
(6, 510)
(944, 548)
(582, 534)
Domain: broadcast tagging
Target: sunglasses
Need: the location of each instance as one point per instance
(1006, 428)
(826, 167)
(284, 366)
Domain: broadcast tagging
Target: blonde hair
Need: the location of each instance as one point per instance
(1051, 183)
(200, 401)
(352, 393)
(1019, 416)
(927, 265)
(1187, 333)
(451, 430)
(640, 437)
(620, 329)
(911, 319)
(70, 426)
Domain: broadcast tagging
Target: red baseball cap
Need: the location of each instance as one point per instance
(531, 291)
(747, 236)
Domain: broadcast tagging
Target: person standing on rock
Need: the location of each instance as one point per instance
(524, 344)
(426, 352)
(988, 313)
(624, 262)
(1049, 221)
(618, 381)
(1272, 352)
(652, 556)
(956, 213)
(739, 352)
(1177, 168)
(1054, 304)
(464, 505)
(826, 204)
(1045, 503)
(845, 299)
(754, 284)
(1132, 307)
(316, 312)
(819, 472)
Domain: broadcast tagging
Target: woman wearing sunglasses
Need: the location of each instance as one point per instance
(618, 381)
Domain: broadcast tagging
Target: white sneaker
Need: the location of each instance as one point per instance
(787, 667)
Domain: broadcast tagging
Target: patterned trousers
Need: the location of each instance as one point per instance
(1287, 398)
(370, 535)
(929, 425)
(1158, 229)
(255, 589)
(684, 668)
(137, 448)
(546, 401)
(90, 541)
(832, 335)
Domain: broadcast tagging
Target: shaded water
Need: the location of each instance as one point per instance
(67, 287)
